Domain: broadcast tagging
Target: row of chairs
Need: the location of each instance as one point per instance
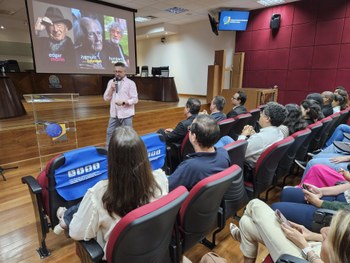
(274, 162)
(182, 219)
(231, 127)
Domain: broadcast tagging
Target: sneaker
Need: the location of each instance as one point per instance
(301, 164)
(58, 229)
(235, 232)
(60, 212)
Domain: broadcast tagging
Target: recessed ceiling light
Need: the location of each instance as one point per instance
(2, 27)
(176, 10)
(143, 19)
(270, 2)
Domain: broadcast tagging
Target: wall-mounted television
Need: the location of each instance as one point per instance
(233, 20)
(81, 37)
(213, 25)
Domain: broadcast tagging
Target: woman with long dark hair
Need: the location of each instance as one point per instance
(130, 184)
(311, 111)
(294, 121)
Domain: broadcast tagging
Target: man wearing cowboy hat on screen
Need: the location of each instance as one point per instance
(57, 48)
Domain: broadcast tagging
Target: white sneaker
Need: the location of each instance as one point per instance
(60, 212)
(58, 229)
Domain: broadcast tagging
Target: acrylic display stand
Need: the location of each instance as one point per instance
(55, 125)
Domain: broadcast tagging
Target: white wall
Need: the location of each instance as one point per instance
(188, 55)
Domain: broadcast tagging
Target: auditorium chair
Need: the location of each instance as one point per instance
(240, 121)
(156, 150)
(285, 165)
(225, 126)
(315, 129)
(253, 121)
(64, 182)
(236, 196)
(198, 214)
(323, 133)
(261, 176)
(143, 235)
(327, 133)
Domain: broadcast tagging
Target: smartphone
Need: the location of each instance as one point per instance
(281, 218)
(305, 186)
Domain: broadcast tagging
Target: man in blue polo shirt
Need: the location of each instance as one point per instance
(206, 160)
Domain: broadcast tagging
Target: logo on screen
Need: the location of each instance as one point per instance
(226, 20)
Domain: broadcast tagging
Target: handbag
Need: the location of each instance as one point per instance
(212, 257)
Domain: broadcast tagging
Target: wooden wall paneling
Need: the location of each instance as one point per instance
(87, 84)
(213, 82)
(237, 70)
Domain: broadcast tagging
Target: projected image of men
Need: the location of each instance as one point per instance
(113, 47)
(57, 48)
(89, 51)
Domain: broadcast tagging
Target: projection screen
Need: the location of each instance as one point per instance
(81, 37)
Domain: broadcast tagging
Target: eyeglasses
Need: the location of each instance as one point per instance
(234, 98)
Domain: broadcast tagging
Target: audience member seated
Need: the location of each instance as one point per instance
(130, 184)
(316, 97)
(177, 135)
(338, 103)
(321, 175)
(328, 98)
(238, 100)
(206, 160)
(299, 205)
(342, 92)
(216, 107)
(260, 225)
(271, 117)
(311, 111)
(338, 134)
(334, 161)
(293, 121)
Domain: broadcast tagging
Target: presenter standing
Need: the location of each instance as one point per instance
(122, 94)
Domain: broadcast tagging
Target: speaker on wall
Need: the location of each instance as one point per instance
(275, 21)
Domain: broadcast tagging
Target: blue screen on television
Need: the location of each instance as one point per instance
(233, 20)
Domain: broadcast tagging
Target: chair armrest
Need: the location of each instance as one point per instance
(322, 218)
(89, 251)
(32, 183)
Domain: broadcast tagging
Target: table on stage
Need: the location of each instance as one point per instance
(156, 88)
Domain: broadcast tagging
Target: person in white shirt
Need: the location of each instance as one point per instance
(131, 184)
(271, 117)
(122, 94)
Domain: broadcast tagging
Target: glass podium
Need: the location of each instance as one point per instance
(55, 124)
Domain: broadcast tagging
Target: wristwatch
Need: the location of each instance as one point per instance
(306, 250)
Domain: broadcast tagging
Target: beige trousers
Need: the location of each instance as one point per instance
(259, 225)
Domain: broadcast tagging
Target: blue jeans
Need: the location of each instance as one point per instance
(338, 134)
(68, 214)
(295, 209)
(223, 141)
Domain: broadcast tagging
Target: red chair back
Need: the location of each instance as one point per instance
(145, 234)
(241, 121)
(264, 171)
(198, 214)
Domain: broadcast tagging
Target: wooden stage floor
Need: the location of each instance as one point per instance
(18, 137)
